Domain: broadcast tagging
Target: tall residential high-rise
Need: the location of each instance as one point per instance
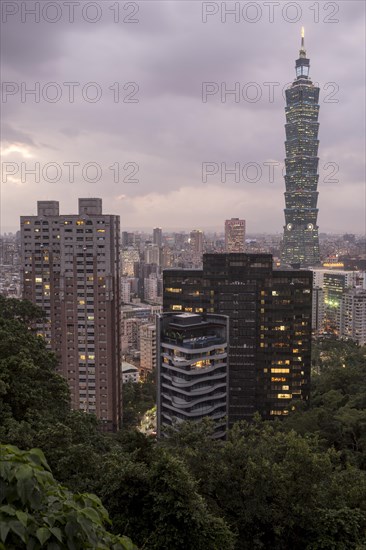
(300, 239)
(152, 254)
(158, 236)
(192, 369)
(270, 326)
(147, 348)
(353, 320)
(70, 268)
(235, 235)
(196, 241)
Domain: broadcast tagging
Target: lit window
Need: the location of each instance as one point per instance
(280, 371)
(38, 279)
(177, 308)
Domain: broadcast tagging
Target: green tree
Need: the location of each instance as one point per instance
(36, 512)
(157, 502)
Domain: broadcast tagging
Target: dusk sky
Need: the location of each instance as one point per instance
(160, 128)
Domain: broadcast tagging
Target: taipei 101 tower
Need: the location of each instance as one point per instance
(301, 239)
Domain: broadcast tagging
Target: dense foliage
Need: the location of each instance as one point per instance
(37, 512)
(137, 399)
(291, 485)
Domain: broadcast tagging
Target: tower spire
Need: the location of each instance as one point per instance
(302, 49)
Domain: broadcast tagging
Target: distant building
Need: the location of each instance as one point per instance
(158, 236)
(70, 268)
(196, 241)
(152, 254)
(147, 348)
(192, 370)
(125, 290)
(129, 373)
(151, 288)
(335, 284)
(318, 312)
(130, 257)
(353, 318)
(235, 235)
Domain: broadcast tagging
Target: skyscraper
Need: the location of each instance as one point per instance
(300, 239)
(70, 268)
(158, 236)
(269, 328)
(196, 241)
(235, 235)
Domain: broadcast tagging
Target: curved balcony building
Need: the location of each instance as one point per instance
(192, 369)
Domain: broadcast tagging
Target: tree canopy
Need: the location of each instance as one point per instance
(295, 484)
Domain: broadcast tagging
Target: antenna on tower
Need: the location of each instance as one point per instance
(302, 49)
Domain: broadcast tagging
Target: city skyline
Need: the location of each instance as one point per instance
(172, 131)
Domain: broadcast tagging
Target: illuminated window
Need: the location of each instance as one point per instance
(199, 310)
(177, 308)
(280, 371)
(38, 279)
(81, 302)
(284, 396)
(174, 290)
(27, 222)
(82, 357)
(80, 222)
(101, 230)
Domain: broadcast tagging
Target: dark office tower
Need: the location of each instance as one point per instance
(192, 370)
(301, 240)
(269, 329)
(158, 237)
(70, 268)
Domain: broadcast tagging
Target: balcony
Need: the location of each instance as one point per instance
(195, 343)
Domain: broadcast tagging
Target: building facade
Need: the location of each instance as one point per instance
(353, 324)
(147, 349)
(70, 268)
(158, 236)
(196, 241)
(235, 235)
(192, 370)
(270, 313)
(300, 239)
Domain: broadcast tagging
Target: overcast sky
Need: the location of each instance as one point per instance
(148, 62)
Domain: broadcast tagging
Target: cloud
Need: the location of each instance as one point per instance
(170, 132)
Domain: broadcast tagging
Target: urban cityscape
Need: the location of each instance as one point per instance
(197, 385)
